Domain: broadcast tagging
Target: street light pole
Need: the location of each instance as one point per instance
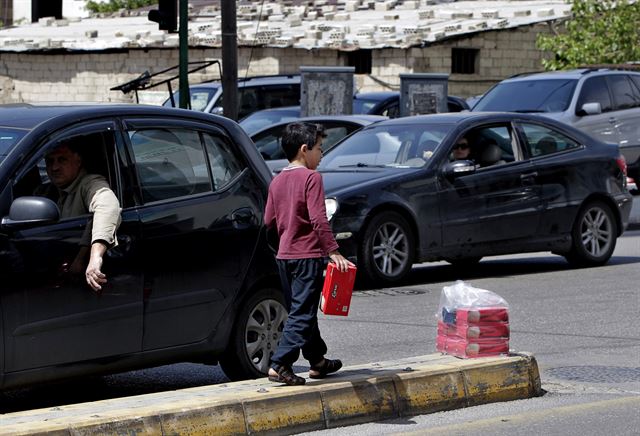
(229, 59)
(185, 100)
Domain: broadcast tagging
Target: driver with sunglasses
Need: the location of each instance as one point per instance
(462, 150)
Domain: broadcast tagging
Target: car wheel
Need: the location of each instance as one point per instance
(255, 336)
(593, 235)
(387, 249)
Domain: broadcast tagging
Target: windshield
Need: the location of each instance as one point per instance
(9, 138)
(402, 146)
(529, 96)
(199, 98)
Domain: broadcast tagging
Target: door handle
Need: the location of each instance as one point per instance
(528, 178)
(242, 218)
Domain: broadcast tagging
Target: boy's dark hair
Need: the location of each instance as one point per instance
(296, 134)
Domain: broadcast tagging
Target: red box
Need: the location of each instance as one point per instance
(496, 329)
(481, 314)
(472, 348)
(337, 289)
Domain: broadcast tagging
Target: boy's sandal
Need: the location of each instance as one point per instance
(287, 376)
(329, 366)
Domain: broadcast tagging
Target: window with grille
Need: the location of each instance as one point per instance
(464, 60)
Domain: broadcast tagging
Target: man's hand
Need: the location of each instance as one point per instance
(94, 275)
(341, 262)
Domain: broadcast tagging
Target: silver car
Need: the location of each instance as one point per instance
(602, 102)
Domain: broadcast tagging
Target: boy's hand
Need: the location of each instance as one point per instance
(341, 262)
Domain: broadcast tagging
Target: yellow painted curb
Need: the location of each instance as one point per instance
(358, 394)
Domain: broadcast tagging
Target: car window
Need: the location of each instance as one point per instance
(552, 95)
(199, 97)
(279, 95)
(543, 141)
(268, 143)
(170, 163)
(9, 138)
(97, 150)
(595, 90)
(625, 94)
(224, 164)
(489, 146)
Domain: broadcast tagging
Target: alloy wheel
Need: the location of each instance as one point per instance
(390, 249)
(596, 232)
(263, 331)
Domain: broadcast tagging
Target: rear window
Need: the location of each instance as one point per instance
(529, 96)
(199, 98)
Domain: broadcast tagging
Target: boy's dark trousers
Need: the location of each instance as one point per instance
(302, 283)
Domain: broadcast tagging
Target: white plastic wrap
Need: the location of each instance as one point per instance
(462, 295)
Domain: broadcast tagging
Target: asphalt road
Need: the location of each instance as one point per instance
(582, 325)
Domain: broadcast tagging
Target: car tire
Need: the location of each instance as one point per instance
(387, 251)
(593, 236)
(255, 336)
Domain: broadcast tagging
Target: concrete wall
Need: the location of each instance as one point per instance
(80, 76)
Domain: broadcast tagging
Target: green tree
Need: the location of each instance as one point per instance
(599, 32)
(114, 5)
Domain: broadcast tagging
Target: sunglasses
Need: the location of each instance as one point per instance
(460, 146)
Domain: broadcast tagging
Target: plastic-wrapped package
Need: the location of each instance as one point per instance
(472, 322)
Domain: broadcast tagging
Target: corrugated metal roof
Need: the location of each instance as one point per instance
(341, 25)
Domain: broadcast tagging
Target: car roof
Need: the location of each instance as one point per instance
(460, 117)
(360, 119)
(380, 95)
(254, 81)
(565, 74)
(29, 116)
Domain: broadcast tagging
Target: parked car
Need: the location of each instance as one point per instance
(387, 103)
(395, 198)
(336, 127)
(602, 102)
(192, 278)
(254, 94)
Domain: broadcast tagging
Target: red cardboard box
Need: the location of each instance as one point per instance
(496, 329)
(337, 289)
(481, 314)
(472, 348)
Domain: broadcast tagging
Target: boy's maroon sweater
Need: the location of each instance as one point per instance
(295, 206)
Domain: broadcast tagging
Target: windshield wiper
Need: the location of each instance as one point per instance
(361, 165)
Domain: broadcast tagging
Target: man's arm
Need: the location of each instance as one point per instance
(94, 275)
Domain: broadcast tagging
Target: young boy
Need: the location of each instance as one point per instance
(295, 207)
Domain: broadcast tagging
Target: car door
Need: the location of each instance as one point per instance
(626, 100)
(551, 154)
(602, 125)
(496, 203)
(201, 214)
(50, 316)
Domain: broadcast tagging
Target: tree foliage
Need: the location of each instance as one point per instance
(599, 32)
(115, 5)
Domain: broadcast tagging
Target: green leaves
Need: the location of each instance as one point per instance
(115, 5)
(599, 32)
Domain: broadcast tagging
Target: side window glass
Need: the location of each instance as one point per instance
(278, 96)
(96, 152)
(247, 101)
(170, 163)
(487, 146)
(543, 141)
(223, 162)
(334, 134)
(268, 144)
(595, 90)
(624, 95)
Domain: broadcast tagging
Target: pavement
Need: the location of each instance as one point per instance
(356, 394)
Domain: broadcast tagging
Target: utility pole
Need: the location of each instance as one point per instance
(229, 59)
(185, 100)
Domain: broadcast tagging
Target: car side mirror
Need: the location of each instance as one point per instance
(28, 212)
(590, 109)
(459, 168)
(218, 110)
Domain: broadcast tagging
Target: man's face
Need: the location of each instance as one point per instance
(63, 166)
(461, 150)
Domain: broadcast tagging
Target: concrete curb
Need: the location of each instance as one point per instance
(358, 394)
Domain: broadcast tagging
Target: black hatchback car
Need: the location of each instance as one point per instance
(192, 278)
(396, 196)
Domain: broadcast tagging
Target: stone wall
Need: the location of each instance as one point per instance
(88, 76)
